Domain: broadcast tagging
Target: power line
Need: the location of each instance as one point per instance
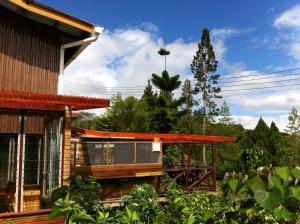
(259, 83)
(132, 91)
(267, 87)
(194, 81)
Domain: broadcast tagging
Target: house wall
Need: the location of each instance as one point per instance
(29, 55)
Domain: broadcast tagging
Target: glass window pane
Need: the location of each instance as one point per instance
(31, 165)
(123, 153)
(144, 153)
(8, 166)
(95, 153)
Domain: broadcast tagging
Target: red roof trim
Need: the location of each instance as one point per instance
(35, 101)
(165, 138)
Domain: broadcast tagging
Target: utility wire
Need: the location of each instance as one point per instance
(221, 78)
(94, 89)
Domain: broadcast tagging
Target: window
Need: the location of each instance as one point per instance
(95, 154)
(110, 153)
(8, 167)
(123, 153)
(31, 164)
(144, 153)
(8, 158)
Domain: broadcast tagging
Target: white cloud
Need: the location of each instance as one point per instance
(249, 122)
(128, 57)
(125, 58)
(289, 18)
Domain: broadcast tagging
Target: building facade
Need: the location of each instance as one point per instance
(36, 44)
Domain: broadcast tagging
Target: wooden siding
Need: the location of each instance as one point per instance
(40, 217)
(120, 171)
(9, 122)
(34, 123)
(29, 55)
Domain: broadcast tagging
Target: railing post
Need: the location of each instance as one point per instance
(213, 150)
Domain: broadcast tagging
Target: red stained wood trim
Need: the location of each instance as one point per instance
(165, 138)
(18, 214)
(118, 171)
(32, 101)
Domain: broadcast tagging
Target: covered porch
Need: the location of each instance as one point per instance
(116, 155)
(35, 132)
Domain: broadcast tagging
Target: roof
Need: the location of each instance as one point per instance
(34, 101)
(72, 28)
(165, 138)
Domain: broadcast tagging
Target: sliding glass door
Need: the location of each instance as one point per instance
(52, 156)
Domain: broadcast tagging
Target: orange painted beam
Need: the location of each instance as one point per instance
(20, 100)
(165, 138)
(48, 12)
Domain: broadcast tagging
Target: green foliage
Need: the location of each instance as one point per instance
(225, 114)
(84, 120)
(203, 67)
(271, 196)
(76, 201)
(163, 52)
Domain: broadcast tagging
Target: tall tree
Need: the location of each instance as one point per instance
(84, 120)
(293, 127)
(166, 83)
(187, 104)
(164, 52)
(203, 67)
(125, 115)
(225, 116)
(274, 142)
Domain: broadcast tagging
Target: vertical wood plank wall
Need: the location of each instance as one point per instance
(29, 55)
(9, 122)
(66, 166)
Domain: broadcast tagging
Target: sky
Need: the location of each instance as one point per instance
(251, 39)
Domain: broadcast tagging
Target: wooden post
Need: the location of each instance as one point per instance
(213, 150)
(66, 159)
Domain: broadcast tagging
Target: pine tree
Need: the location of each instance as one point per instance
(260, 133)
(203, 67)
(225, 116)
(274, 141)
(149, 96)
(293, 127)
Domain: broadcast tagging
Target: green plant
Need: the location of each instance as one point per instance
(77, 201)
(143, 200)
(271, 196)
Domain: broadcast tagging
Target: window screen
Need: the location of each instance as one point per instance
(144, 153)
(96, 154)
(123, 153)
(31, 165)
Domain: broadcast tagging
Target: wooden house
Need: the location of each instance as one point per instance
(36, 44)
(120, 160)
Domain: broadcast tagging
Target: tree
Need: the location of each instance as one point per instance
(164, 52)
(165, 114)
(84, 120)
(260, 134)
(274, 142)
(225, 116)
(128, 115)
(203, 67)
(293, 127)
(166, 83)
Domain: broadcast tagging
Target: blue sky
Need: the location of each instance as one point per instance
(249, 37)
